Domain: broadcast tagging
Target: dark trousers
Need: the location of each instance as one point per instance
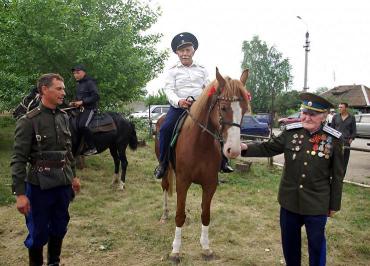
(84, 119)
(165, 132)
(49, 215)
(290, 224)
(346, 154)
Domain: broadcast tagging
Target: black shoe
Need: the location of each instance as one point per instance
(160, 171)
(90, 152)
(226, 168)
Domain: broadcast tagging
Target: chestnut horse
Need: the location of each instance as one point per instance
(214, 117)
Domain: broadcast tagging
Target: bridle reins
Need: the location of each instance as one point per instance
(217, 135)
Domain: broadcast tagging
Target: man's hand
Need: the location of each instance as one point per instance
(76, 104)
(76, 186)
(23, 204)
(183, 103)
(243, 146)
(331, 213)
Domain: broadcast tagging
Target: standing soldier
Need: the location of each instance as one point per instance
(44, 191)
(311, 184)
(87, 97)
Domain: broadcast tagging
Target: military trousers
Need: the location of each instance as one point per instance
(49, 214)
(291, 224)
(166, 130)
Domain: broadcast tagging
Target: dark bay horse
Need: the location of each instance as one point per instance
(214, 117)
(116, 140)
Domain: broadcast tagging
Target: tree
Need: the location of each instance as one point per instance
(108, 36)
(288, 102)
(159, 98)
(269, 73)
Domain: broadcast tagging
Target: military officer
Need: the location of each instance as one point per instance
(45, 188)
(311, 184)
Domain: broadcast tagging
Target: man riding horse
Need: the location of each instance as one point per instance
(87, 97)
(185, 80)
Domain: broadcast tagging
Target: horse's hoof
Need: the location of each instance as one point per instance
(175, 258)
(121, 186)
(163, 220)
(208, 254)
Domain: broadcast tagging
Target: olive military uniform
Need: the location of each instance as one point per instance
(311, 183)
(43, 141)
(311, 186)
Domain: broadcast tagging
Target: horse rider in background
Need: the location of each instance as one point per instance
(87, 96)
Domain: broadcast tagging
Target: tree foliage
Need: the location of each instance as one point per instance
(287, 102)
(269, 73)
(107, 36)
(159, 98)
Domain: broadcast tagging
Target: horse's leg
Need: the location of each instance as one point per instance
(181, 189)
(165, 187)
(122, 157)
(113, 152)
(208, 192)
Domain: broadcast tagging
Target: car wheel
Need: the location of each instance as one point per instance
(282, 126)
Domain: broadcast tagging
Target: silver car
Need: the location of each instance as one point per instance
(363, 125)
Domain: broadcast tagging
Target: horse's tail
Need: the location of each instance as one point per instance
(133, 142)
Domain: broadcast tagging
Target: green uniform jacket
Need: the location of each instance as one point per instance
(313, 173)
(55, 144)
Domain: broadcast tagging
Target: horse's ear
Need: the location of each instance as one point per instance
(244, 76)
(220, 79)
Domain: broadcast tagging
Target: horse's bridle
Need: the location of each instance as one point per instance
(216, 100)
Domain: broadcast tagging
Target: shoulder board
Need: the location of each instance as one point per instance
(332, 131)
(33, 112)
(294, 126)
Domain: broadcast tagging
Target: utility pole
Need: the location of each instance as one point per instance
(307, 49)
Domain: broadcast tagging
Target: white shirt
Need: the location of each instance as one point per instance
(183, 81)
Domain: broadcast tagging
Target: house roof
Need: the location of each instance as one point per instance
(354, 95)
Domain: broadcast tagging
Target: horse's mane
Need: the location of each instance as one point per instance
(233, 88)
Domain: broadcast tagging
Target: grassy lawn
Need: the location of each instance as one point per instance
(110, 227)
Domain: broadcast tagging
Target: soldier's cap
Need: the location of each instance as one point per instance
(313, 104)
(78, 67)
(182, 40)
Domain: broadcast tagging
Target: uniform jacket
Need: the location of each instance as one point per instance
(183, 81)
(55, 143)
(311, 182)
(87, 92)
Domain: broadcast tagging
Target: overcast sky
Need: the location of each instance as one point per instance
(339, 34)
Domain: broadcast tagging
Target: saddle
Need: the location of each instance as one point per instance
(102, 122)
(175, 135)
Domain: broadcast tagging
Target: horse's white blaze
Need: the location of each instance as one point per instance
(232, 143)
(176, 244)
(204, 241)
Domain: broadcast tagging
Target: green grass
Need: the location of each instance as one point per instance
(110, 227)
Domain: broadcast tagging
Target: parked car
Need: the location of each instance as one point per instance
(251, 126)
(363, 125)
(264, 118)
(153, 112)
(296, 117)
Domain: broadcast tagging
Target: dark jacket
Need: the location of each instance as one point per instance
(50, 158)
(347, 126)
(311, 182)
(87, 92)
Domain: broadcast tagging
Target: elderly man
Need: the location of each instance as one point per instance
(185, 80)
(43, 140)
(311, 184)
